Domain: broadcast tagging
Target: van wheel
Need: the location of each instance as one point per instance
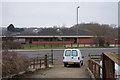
(82, 63)
(65, 65)
(79, 65)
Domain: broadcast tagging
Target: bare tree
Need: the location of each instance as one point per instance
(104, 34)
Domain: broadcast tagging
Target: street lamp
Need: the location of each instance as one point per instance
(115, 41)
(77, 25)
(77, 13)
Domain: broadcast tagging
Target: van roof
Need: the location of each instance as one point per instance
(72, 49)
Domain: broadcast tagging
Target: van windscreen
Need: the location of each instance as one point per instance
(74, 53)
(67, 53)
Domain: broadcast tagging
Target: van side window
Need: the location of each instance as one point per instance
(68, 52)
(74, 53)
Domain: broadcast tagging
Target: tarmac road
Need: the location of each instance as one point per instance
(58, 53)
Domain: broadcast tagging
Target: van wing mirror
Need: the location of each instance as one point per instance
(82, 56)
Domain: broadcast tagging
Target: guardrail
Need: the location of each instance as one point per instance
(95, 68)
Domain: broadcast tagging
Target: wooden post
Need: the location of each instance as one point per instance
(30, 45)
(40, 63)
(95, 69)
(98, 71)
(108, 68)
(48, 58)
(30, 64)
(64, 44)
(89, 64)
(33, 63)
(46, 65)
(44, 45)
(103, 67)
(37, 60)
(78, 44)
(51, 45)
(37, 44)
(92, 66)
(89, 56)
(52, 56)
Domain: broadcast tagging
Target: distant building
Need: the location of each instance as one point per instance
(67, 40)
(65, 36)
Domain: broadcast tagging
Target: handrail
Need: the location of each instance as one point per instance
(95, 67)
(96, 63)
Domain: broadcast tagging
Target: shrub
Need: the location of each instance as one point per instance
(12, 45)
(13, 63)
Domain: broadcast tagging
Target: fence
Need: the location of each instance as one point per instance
(95, 68)
(105, 70)
(46, 61)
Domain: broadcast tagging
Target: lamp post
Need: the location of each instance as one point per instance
(77, 25)
(115, 42)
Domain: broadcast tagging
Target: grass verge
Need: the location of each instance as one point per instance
(53, 46)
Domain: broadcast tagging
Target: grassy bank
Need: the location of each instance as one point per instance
(53, 46)
(42, 46)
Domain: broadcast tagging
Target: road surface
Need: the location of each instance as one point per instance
(58, 53)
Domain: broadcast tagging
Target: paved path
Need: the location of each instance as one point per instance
(59, 71)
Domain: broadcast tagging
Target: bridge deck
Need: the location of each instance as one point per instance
(59, 71)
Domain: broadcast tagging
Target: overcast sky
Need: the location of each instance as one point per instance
(45, 14)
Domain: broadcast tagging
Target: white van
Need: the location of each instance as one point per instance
(72, 57)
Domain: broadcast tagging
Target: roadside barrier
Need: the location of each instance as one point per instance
(38, 62)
